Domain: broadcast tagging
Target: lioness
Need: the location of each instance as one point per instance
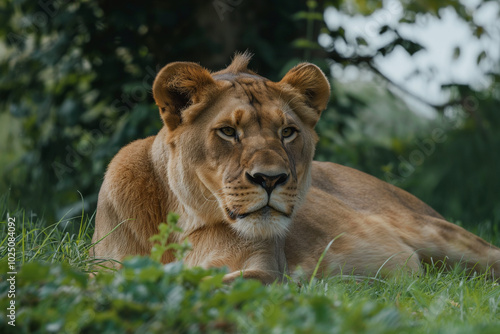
(234, 159)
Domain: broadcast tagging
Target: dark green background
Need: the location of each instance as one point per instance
(76, 79)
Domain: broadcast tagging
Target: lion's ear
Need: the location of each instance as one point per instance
(310, 82)
(177, 86)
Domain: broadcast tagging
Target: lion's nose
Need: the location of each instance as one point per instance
(268, 182)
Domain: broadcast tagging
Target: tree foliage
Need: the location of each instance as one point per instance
(78, 75)
(76, 87)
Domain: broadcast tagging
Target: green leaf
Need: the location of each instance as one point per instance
(303, 43)
(384, 29)
(367, 7)
(172, 218)
(308, 16)
(479, 31)
(361, 41)
(481, 57)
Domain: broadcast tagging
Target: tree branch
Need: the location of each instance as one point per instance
(438, 107)
(369, 61)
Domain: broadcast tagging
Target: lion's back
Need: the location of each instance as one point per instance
(364, 192)
(364, 215)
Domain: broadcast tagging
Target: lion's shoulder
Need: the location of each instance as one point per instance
(131, 167)
(132, 185)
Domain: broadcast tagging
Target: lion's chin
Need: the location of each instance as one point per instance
(264, 223)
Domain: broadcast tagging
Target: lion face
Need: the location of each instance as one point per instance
(255, 161)
(241, 151)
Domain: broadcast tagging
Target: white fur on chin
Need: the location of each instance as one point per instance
(262, 226)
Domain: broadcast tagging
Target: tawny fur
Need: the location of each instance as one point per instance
(193, 169)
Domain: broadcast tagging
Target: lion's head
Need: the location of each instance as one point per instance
(240, 146)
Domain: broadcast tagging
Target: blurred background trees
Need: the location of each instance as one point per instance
(76, 87)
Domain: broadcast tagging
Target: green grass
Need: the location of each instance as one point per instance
(66, 241)
(55, 294)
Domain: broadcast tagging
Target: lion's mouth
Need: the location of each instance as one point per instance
(263, 211)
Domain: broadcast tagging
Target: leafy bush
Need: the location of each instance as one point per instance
(148, 297)
(77, 87)
(54, 294)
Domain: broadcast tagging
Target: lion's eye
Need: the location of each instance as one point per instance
(228, 131)
(288, 132)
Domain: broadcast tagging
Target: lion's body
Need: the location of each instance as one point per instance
(251, 199)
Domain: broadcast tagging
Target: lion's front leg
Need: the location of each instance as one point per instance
(265, 277)
(219, 246)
